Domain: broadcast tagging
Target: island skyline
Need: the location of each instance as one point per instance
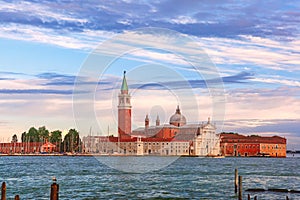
(255, 50)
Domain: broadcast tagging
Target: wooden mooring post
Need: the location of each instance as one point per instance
(236, 174)
(54, 191)
(3, 191)
(17, 197)
(240, 188)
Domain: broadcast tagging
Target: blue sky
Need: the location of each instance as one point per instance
(254, 46)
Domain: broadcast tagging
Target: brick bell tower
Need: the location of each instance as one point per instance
(124, 111)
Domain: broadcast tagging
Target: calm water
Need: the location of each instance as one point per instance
(186, 178)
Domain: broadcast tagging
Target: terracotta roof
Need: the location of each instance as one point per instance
(237, 138)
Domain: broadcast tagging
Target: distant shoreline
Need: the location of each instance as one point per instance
(46, 155)
(289, 155)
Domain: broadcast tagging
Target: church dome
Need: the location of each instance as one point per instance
(178, 119)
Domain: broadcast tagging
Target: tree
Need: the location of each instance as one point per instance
(23, 137)
(43, 134)
(33, 135)
(14, 139)
(55, 136)
(72, 141)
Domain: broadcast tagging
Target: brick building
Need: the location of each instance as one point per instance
(241, 145)
(27, 147)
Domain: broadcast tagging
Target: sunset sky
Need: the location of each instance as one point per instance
(253, 46)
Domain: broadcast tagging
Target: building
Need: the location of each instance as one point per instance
(48, 147)
(27, 147)
(240, 145)
(174, 139)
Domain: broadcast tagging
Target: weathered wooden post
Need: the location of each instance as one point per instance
(3, 191)
(17, 197)
(236, 174)
(287, 198)
(249, 198)
(255, 198)
(54, 190)
(240, 188)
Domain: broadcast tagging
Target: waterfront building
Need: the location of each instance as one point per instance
(48, 147)
(176, 138)
(241, 145)
(27, 147)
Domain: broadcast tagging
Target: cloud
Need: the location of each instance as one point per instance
(252, 35)
(293, 83)
(20, 83)
(184, 20)
(251, 18)
(36, 91)
(57, 79)
(240, 78)
(255, 51)
(262, 103)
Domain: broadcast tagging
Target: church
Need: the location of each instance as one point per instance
(178, 138)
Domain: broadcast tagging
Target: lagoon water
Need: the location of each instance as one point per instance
(186, 178)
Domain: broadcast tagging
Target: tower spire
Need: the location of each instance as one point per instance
(124, 87)
(178, 110)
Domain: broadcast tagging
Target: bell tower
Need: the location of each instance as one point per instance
(124, 111)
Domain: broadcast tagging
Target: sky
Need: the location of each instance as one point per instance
(62, 62)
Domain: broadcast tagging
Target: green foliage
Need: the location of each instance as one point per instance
(72, 141)
(228, 133)
(33, 135)
(55, 137)
(43, 134)
(254, 136)
(23, 137)
(14, 138)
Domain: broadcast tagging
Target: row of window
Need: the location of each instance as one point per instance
(241, 146)
(253, 146)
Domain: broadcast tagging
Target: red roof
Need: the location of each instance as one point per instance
(48, 144)
(237, 138)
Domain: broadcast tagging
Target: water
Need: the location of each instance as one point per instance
(186, 178)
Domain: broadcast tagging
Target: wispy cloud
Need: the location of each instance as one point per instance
(190, 18)
(263, 53)
(36, 91)
(293, 83)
